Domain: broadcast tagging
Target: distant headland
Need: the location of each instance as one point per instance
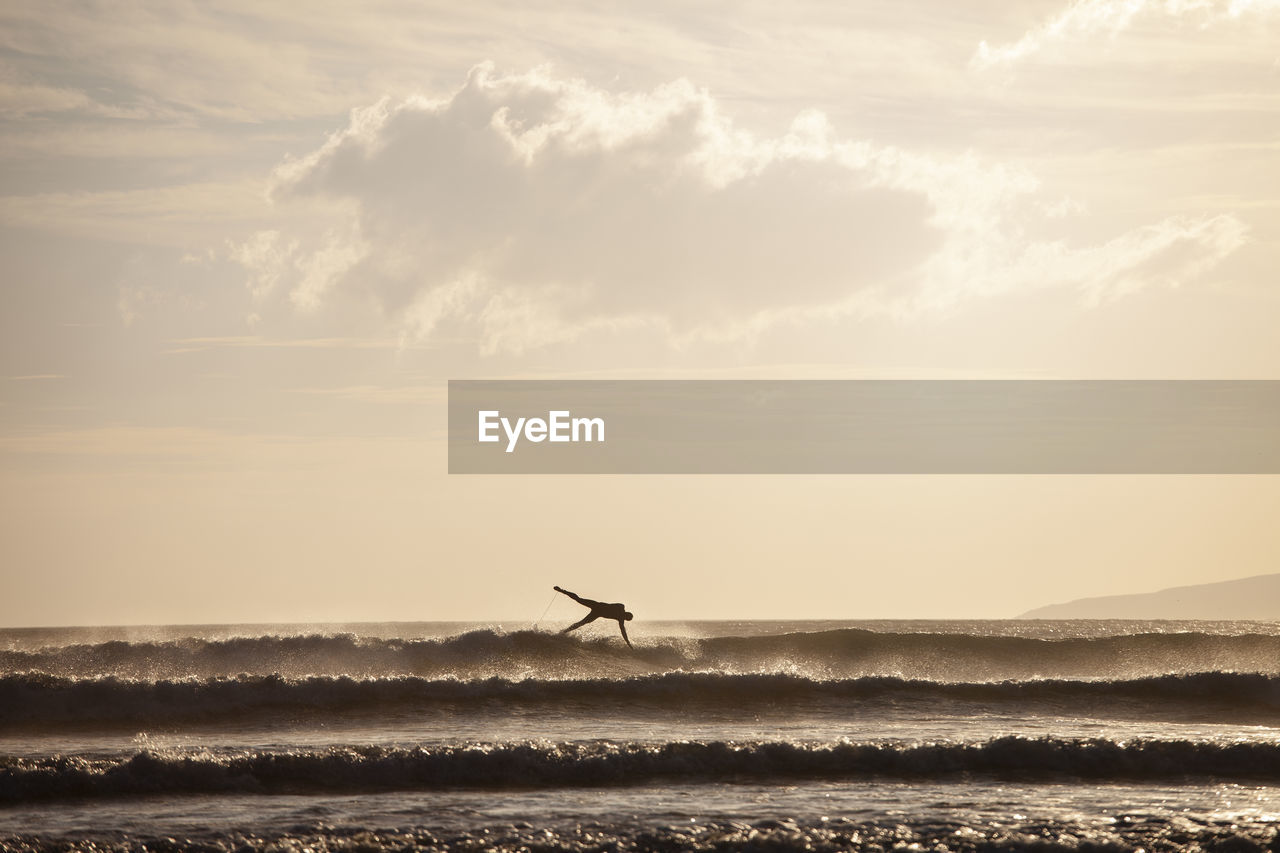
(1255, 598)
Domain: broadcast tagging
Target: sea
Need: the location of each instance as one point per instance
(748, 735)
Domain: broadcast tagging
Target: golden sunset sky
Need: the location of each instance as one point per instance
(245, 245)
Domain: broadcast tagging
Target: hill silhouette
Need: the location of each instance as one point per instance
(1254, 598)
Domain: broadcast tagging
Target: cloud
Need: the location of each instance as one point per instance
(237, 64)
(20, 100)
(414, 395)
(525, 191)
(253, 342)
(1166, 254)
(527, 209)
(267, 258)
(175, 215)
(1085, 18)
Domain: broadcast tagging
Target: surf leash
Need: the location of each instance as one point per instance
(544, 612)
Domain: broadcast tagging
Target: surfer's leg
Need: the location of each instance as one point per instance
(585, 602)
(590, 617)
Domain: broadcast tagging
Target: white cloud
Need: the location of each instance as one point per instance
(267, 258)
(1085, 18)
(527, 209)
(526, 200)
(1166, 254)
(323, 268)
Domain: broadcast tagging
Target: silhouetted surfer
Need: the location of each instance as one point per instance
(598, 610)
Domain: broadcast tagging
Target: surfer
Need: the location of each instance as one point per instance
(600, 609)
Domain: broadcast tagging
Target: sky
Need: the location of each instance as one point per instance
(246, 245)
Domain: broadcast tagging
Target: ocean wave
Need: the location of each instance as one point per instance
(544, 765)
(42, 700)
(841, 653)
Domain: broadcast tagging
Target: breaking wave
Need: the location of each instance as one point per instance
(543, 765)
(44, 700)
(843, 653)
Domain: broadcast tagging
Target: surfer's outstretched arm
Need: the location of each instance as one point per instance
(590, 617)
(623, 628)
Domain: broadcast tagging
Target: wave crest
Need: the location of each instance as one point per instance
(43, 700)
(541, 765)
(842, 653)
